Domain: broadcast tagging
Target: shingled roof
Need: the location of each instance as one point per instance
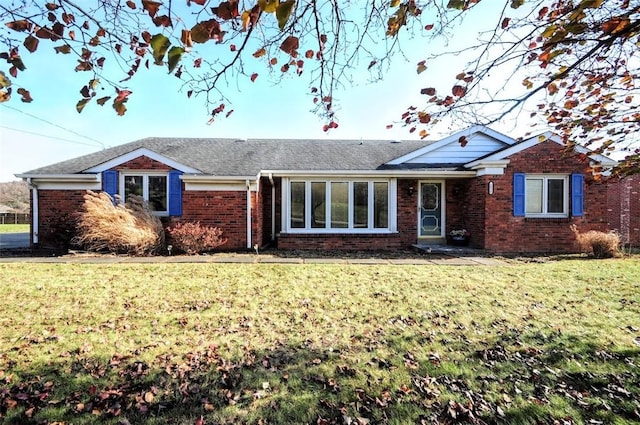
(245, 157)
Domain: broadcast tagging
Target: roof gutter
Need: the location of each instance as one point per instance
(373, 174)
(207, 178)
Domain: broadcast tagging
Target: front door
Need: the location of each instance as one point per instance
(431, 209)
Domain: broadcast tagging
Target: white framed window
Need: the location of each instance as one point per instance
(339, 205)
(547, 195)
(152, 187)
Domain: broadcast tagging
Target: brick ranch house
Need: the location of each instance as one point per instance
(512, 196)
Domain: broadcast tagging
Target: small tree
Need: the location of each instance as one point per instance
(129, 228)
(194, 238)
(15, 195)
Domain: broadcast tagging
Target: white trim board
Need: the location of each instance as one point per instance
(138, 153)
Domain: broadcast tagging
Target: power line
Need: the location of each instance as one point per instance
(47, 136)
(102, 145)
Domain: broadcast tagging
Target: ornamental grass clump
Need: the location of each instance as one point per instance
(600, 244)
(194, 238)
(129, 228)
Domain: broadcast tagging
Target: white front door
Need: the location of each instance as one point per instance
(431, 209)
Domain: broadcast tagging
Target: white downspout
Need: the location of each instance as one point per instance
(248, 213)
(273, 207)
(35, 213)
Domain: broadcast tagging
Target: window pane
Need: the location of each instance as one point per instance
(132, 186)
(158, 193)
(339, 205)
(297, 205)
(380, 205)
(318, 204)
(555, 196)
(360, 204)
(534, 196)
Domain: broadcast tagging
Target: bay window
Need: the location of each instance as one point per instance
(360, 204)
(298, 202)
(339, 206)
(380, 205)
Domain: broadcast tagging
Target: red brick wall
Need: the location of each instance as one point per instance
(472, 196)
(143, 163)
(623, 209)
(57, 213)
(407, 212)
(341, 242)
(224, 209)
(257, 219)
(508, 234)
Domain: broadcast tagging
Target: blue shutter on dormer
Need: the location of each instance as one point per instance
(518, 194)
(110, 182)
(175, 193)
(577, 195)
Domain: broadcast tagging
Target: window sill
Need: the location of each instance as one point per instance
(316, 232)
(547, 219)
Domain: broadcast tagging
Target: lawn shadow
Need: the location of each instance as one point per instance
(518, 378)
(285, 384)
(553, 377)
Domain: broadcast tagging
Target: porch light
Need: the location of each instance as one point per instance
(490, 188)
(410, 190)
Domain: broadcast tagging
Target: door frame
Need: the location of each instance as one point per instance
(443, 213)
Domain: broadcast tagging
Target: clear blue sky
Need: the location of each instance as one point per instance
(49, 129)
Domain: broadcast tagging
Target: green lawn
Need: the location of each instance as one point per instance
(14, 228)
(554, 342)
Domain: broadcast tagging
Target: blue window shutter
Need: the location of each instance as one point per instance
(175, 193)
(518, 194)
(577, 195)
(110, 182)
